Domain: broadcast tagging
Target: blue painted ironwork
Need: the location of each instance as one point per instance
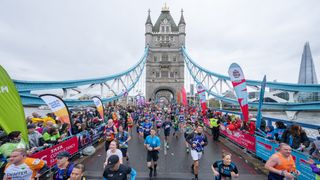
(289, 106)
(25, 87)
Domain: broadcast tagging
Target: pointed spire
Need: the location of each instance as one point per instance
(307, 74)
(149, 18)
(182, 18)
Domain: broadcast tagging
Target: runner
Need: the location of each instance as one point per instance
(166, 129)
(129, 123)
(22, 167)
(152, 144)
(197, 141)
(110, 131)
(224, 169)
(141, 122)
(123, 137)
(188, 129)
(158, 123)
(116, 171)
(175, 124)
(146, 128)
(113, 150)
(281, 164)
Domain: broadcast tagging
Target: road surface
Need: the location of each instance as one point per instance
(173, 164)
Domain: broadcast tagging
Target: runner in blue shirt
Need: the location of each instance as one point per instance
(147, 128)
(152, 144)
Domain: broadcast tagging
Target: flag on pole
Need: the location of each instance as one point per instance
(239, 85)
(58, 107)
(202, 98)
(261, 97)
(12, 116)
(97, 101)
(184, 96)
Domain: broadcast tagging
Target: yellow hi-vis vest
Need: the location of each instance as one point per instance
(213, 122)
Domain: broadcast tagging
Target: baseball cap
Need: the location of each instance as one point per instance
(112, 160)
(31, 126)
(63, 154)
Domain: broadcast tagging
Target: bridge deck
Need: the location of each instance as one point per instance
(175, 164)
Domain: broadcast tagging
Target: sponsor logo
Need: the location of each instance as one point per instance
(4, 89)
(236, 73)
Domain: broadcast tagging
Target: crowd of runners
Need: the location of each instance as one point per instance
(152, 121)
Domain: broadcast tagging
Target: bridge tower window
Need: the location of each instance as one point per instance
(165, 57)
(157, 74)
(171, 75)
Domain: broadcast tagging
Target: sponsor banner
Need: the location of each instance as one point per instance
(242, 139)
(58, 107)
(49, 155)
(12, 116)
(98, 103)
(239, 85)
(202, 98)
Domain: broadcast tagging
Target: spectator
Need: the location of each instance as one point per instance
(117, 171)
(35, 138)
(278, 132)
(270, 132)
(63, 167)
(52, 136)
(296, 137)
(47, 126)
(22, 167)
(78, 172)
(13, 143)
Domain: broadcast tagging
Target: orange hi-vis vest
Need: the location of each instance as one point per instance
(286, 164)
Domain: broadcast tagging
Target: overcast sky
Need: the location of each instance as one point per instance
(65, 40)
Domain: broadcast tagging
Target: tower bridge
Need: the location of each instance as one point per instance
(161, 71)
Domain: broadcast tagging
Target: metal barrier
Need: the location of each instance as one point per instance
(73, 144)
(264, 147)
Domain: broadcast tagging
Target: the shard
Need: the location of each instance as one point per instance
(307, 74)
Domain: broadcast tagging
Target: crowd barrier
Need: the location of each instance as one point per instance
(73, 144)
(239, 137)
(265, 148)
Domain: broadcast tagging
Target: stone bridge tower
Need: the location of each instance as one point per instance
(165, 63)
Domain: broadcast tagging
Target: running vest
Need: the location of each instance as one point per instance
(109, 133)
(285, 164)
(213, 122)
